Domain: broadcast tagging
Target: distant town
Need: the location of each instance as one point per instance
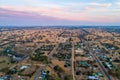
(60, 53)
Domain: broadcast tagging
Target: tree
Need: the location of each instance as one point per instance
(58, 69)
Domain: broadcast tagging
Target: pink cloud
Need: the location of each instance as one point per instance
(52, 15)
(57, 12)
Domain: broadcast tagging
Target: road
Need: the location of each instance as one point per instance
(53, 51)
(72, 62)
(24, 59)
(98, 61)
(38, 73)
(102, 66)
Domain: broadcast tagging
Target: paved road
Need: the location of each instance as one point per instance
(73, 60)
(99, 63)
(102, 67)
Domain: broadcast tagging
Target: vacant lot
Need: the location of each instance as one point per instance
(4, 62)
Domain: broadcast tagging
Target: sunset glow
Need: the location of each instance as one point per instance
(59, 12)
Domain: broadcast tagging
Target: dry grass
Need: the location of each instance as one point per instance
(61, 64)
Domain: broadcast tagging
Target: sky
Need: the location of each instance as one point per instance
(59, 12)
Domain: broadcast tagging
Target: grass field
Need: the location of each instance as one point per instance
(4, 62)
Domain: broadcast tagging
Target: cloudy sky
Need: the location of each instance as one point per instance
(59, 12)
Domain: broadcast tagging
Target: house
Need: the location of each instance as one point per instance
(23, 67)
(85, 64)
(98, 74)
(44, 75)
(6, 77)
(18, 57)
(93, 78)
(108, 65)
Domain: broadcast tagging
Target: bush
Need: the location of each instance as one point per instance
(40, 58)
(58, 69)
(115, 72)
(5, 70)
(68, 77)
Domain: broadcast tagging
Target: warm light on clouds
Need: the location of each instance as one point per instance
(76, 11)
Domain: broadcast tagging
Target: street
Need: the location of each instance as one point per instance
(38, 73)
(102, 66)
(73, 59)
